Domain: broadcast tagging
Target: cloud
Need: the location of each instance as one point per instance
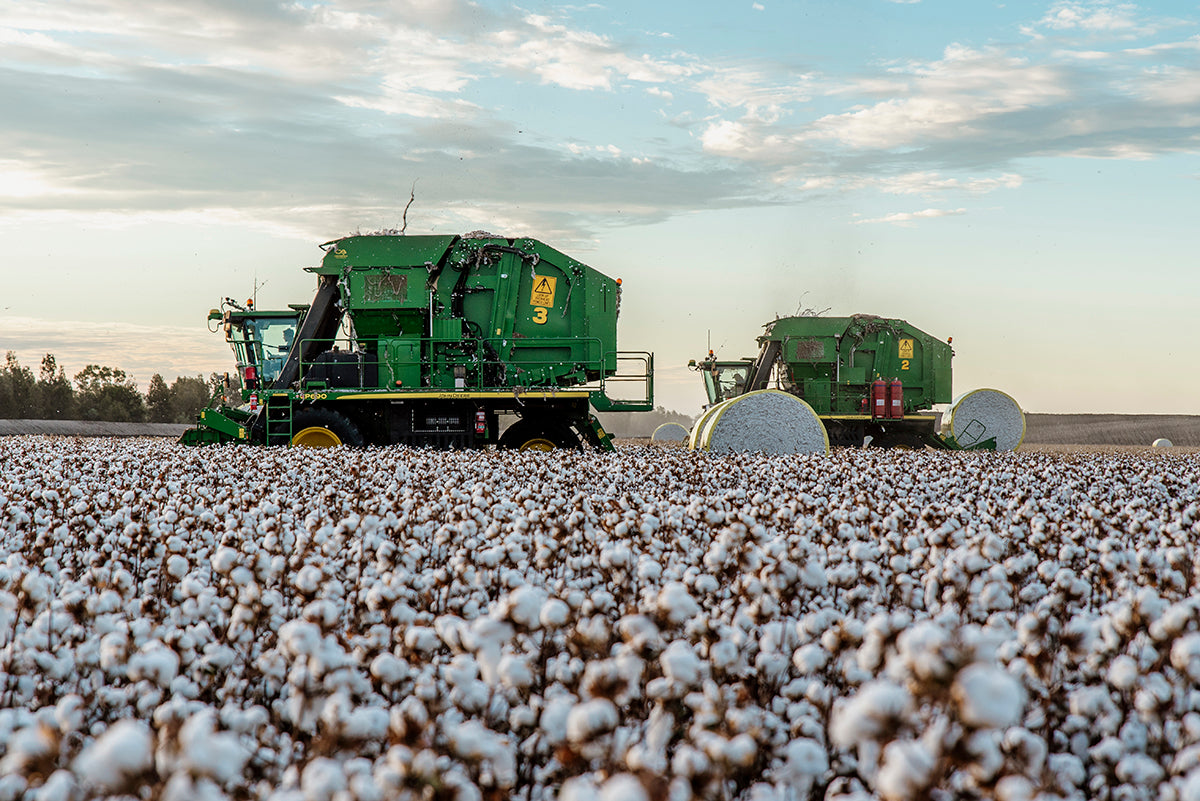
(186, 112)
(908, 217)
(926, 183)
(1092, 17)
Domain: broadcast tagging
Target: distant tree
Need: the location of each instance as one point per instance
(55, 395)
(641, 424)
(158, 401)
(109, 394)
(188, 397)
(18, 399)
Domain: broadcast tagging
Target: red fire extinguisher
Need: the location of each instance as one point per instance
(480, 421)
(896, 399)
(879, 398)
(253, 402)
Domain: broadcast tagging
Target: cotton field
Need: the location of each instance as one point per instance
(254, 623)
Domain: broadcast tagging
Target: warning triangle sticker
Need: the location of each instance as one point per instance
(543, 290)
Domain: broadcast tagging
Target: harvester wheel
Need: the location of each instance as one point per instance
(534, 435)
(324, 428)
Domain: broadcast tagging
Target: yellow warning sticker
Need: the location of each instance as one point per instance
(906, 349)
(543, 290)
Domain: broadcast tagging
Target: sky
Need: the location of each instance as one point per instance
(1021, 176)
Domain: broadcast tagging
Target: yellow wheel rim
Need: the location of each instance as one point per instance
(316, 437)
(537, 444)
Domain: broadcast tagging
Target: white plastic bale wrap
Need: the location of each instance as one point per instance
(669, 432)
(766, 421)
(695, 436)
(982, 414)
(1161, 442)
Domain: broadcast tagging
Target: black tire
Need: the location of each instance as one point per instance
(323, 428)
(530, 434)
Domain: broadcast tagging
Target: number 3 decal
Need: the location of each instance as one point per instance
(539, 315)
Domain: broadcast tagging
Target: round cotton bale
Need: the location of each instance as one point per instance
(695, 436)
(766, 421)
(1161, 442)
(669, 432)
(982, 414)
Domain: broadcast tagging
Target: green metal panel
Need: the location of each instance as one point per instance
(831, 361)
(383, 251)
(400, 362)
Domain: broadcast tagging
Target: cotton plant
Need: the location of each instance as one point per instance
(235, 622)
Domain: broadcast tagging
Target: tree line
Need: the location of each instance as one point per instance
(98, 393)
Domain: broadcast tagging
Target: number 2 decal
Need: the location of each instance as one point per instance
(904, 364)
(539, 316)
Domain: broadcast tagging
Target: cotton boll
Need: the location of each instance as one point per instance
(322, 780)
(723, 654)
(308, 579)
(185, 787)
(591, 719)
(924, 651)
(473, 741)
(675, 604)
(114, 651)
(177, 566)
(554, 614)
(122, 752)
(805, 762)
(28, 746)
(580, 788)
(522, 606)
(987, 697)
(224, 560)
(69, 713)
(60, 786)
(421, 639)
(680, 663)
(1014, 788)
(155, 662)
(554, 720)
(1185, 655)
(623, 787)
(514, 672)
(810, 658)
(905, 771)
(1123, 672)
(206, 752)
(389, 670)
(1139, 769)
(870, 712)
(1191, 787)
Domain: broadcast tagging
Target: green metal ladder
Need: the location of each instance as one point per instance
(279, 420)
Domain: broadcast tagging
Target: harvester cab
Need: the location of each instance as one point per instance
(723, 379)
(260, 339)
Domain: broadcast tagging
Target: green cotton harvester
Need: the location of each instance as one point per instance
(871, 380)
(430, 341)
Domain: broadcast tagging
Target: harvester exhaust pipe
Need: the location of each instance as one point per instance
(316, 334)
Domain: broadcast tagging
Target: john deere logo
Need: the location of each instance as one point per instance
(340, 253)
